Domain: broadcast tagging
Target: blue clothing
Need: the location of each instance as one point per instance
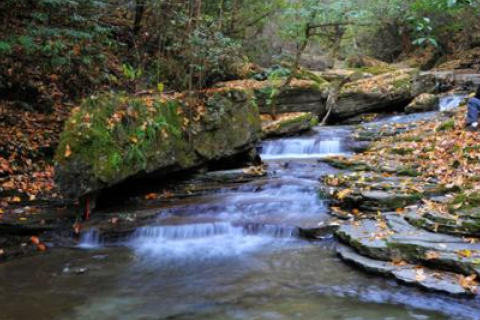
(473, 110)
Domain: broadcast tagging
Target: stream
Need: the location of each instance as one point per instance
(232, 254)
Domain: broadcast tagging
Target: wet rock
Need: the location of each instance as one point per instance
(74, 271)
(113, 138)
(288, 124)
(367, 237)
(422, 103)
(407, 273)
(394, 239)
(321, 231)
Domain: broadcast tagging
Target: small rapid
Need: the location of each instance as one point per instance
(451, 101)
(207, 240)
(301, 148)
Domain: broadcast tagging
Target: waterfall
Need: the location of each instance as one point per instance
(90, 239)
(301, 148)
(206, 240)
(210, 230)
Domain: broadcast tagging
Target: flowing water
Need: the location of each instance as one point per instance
(233, 254)
(451, 101)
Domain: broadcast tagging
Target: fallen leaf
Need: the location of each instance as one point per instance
(35, 240)
(68, 152)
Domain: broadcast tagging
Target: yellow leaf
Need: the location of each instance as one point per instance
(465, 253)
(16, 199)
(343, 194)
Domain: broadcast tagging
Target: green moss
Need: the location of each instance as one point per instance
(408, 171)
(468, 202)
(115, 135)
(447, 125)
(403, 151)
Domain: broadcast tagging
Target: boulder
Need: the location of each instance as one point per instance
(422, 103)
(113, 138)
(386, 92)
(288, 124)
(302, 95)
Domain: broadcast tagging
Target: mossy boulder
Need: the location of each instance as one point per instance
(114, 137)
(385, 92)
(422, 103)
(288, 124)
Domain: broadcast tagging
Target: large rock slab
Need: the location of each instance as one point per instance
(113, 138)
(302, 95)
(288, 124)
(406, 273)
(387, 244)
(385, 92)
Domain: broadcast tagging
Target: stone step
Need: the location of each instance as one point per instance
(394, 239)
(425, 278)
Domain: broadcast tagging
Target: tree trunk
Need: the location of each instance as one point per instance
(139, 10)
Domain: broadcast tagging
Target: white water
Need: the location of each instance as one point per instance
(452, 101)
(207, 240)
(90, 239)
(301, 148)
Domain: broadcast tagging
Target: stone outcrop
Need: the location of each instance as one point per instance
(288, 124)
(394, 247)
(422, 103)
(385, 92)
(114, 138)
(308, 94)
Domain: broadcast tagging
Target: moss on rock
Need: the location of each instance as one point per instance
(113, 137)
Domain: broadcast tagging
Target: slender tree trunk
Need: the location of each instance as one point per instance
(296, 65)
(139, 10)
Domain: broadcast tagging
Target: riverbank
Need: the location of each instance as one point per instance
(411, 199)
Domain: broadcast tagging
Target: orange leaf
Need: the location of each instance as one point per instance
(35, 240)
(68, 152)
(41, 247)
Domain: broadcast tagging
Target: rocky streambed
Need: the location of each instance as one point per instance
(250, 243)
(402, 222)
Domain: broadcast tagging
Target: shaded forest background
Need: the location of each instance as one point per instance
(55, 51)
